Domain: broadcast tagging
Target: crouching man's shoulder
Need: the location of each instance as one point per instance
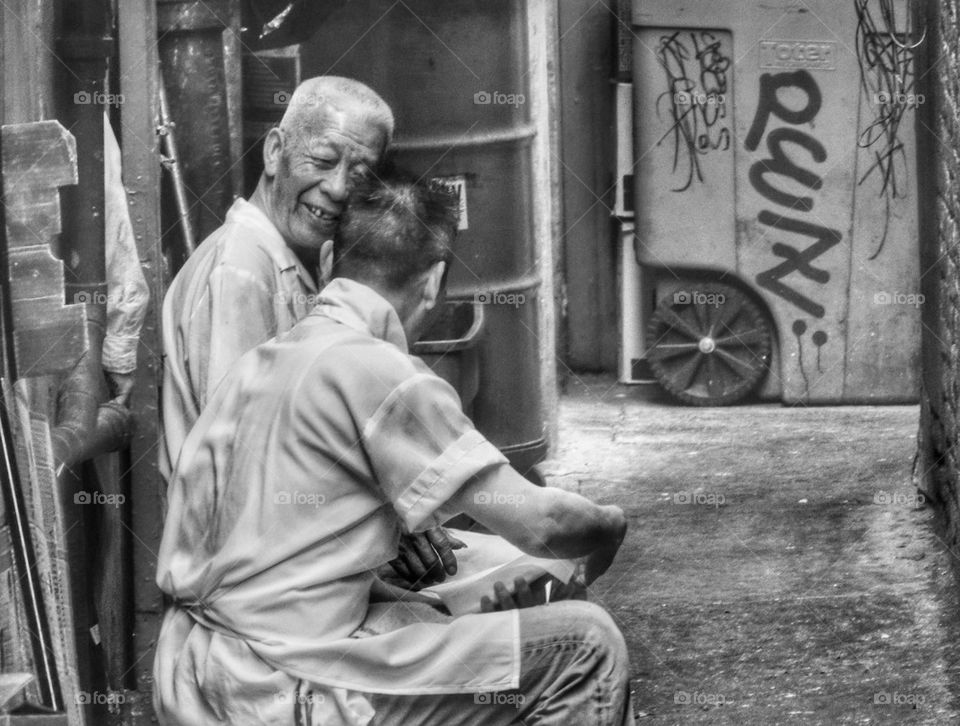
(371, 372)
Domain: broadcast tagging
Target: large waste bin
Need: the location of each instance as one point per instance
(199, 49)
(776, 194)
(269, 79)
(455, 75)
(449, 347)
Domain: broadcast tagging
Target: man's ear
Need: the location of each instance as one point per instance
(326, 261)
(432, 286)
(272, 151)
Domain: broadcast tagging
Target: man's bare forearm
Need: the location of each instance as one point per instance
(574, 526)
(541, 521)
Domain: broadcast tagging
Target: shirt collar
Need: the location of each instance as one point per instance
(248, 214)
(362, 308)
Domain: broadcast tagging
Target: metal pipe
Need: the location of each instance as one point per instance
(171, 162)
(86, 428)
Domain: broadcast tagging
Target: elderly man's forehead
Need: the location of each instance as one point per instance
(363, 145)
(349, 123)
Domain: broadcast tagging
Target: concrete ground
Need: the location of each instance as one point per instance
(779, 568)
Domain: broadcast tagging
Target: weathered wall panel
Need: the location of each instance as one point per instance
(586, 113)
(938, 464)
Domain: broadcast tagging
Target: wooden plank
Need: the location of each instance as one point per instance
(15, 651)
(33, 223)
(137, 82)
(12, 685)
(31, 270)
(44, 336)
(32, 219)
(45, 508)
(38, 158)
(38, 155)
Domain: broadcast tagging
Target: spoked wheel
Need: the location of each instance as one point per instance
(709, 347)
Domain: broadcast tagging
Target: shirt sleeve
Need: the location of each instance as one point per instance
(127, 290)
(240, 315)
(423, 449)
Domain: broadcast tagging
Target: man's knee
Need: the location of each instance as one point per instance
(586, 624)
(591, 619)
(574, 665)
(601, 630)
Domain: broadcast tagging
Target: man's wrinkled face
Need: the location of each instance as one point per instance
(318, 167)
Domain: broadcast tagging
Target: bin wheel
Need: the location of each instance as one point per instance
(710, 347)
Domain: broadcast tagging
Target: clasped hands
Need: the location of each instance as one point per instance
(426, 558)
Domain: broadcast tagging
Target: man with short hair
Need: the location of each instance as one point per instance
(257, 275)
(313, 454)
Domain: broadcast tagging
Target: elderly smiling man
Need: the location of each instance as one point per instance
(292, 488)
(257, 275)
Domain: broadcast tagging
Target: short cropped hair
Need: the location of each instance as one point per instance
(393, 229)
(317, 96)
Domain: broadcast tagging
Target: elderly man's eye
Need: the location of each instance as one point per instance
(360, 173)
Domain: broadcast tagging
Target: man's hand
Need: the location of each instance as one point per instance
(539, 592)
(523, 596)
(426, 558)
(597, 562)
(120, 386)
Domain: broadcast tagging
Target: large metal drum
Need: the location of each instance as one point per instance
(455, 74)
(269, 79)
(199, 54)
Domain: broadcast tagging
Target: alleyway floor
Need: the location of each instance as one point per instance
(779, 567)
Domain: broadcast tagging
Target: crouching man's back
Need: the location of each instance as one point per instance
(293, 487)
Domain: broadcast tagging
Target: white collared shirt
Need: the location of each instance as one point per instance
(242, 286)
(290, 491)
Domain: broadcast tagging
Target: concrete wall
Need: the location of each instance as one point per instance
(937, 470)
(27, 85)
(588, 292)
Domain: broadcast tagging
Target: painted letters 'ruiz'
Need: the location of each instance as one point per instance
(780, 163)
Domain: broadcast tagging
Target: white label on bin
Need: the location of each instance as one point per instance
(457, 185)
(816, 54)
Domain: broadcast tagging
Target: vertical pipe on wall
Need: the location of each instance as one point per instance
(141, 160)
(543, 32)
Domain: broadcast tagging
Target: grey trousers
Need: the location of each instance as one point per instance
(574, 669)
